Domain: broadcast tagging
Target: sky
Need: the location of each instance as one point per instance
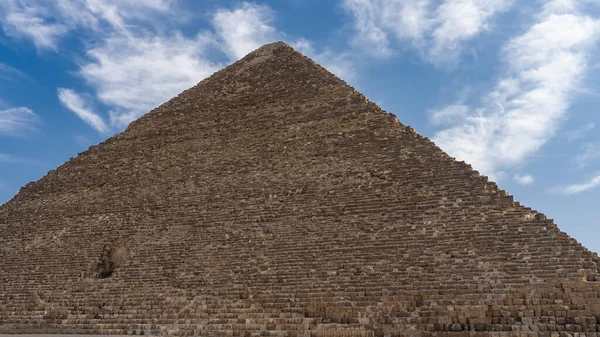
(510, 87)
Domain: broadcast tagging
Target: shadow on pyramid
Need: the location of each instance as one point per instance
(272, 199)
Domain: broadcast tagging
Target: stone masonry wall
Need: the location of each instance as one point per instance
(272, 199)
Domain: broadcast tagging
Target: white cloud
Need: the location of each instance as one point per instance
(245, 28)
(370, 37)
(545, 66)
(560, 6)
(524, 179)
(376, 20)
(135, 74)
(27, 19)
(590, 152)
(15, 121)
(437, 29)
(578, 188)
(457, 21)
(46, 22)
(134, 70)
(117, 13)
(133, 63)
(72, 101)
(448, 114)
(137, 57)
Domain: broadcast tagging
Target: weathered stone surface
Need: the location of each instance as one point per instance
(274, 200)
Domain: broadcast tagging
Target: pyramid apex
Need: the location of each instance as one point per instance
(280, 43)
(269, 48)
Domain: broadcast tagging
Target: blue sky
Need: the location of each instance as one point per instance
(511, 87)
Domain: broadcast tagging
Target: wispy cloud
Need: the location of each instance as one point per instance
(46, 22)
(545, 66)
(379, 21)
(590, 152)
(448, 114)
(248, 26)
(136, 68)
(437, 29)
(11, 73)
(580, 133)
(457, 21)
(72, 101)
(28, 20)
(132, 62)
(244, 28)
(135, 74)
(136, 55)
(117, 14)
(17, 121)
(578, 188)
(524, 179)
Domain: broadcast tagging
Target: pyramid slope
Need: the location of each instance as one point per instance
(274, 199)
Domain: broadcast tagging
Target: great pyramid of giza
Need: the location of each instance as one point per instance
(272, 199)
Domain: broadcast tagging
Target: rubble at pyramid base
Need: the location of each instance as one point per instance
(272, 199)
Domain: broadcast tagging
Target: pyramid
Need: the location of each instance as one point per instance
(272, 199)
